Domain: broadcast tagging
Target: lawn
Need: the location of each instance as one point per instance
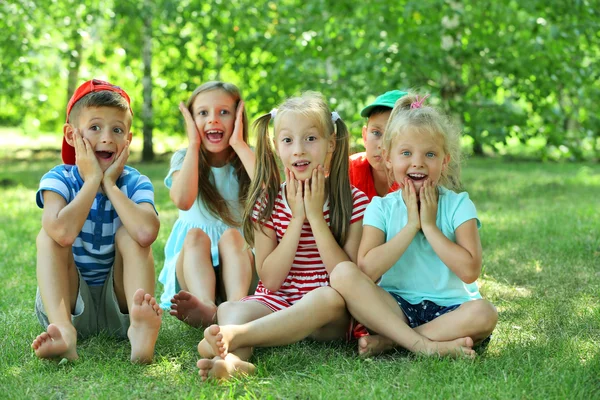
(540, 234)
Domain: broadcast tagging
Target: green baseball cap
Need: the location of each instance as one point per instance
(388, 99)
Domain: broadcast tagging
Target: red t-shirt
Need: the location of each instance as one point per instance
(361, 176)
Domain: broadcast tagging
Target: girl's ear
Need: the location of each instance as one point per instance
(331, 146)
(388, 162)
(445, 161)
(68, 132)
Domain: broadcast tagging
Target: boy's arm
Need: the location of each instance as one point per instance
(240, 147)
(140, 220)
(464, 257)
(63, 222)
(376, 256)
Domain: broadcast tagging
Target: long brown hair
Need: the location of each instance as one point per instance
(206, 189)
(267, 179)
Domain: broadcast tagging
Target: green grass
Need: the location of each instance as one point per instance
(541, 225)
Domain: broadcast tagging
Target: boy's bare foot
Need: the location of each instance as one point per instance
(213, 337)
(227, 368)
(57, 342)
(145, 317)
(462, 347)
(372, 345)
(191, 310)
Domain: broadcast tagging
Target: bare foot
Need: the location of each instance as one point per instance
(57, 342)
(373, 345)
(205, 349)
(213, 337)
(462, 347)
(145, 317)
(227, 368)
(191, 310)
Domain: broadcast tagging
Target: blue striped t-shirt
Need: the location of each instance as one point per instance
(94, 247)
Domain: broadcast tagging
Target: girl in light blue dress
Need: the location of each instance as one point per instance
(206, 256)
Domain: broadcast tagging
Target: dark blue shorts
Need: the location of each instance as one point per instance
(423, 312)
(426, 311)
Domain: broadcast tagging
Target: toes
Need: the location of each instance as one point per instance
(138, 297)
(147, 298)
(213, 330)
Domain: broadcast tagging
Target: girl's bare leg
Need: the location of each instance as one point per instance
(134, 288)
(370, 305)
(59, 283)
(211, 365)
(195, 303)
(236, 265)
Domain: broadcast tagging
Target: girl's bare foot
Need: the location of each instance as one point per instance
(227, 368)
(145, 315)
(213, 336)
(372, 345)
(462, 347)
(188, 308)
(59, 341)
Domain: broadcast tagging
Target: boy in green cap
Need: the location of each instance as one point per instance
(367, 169)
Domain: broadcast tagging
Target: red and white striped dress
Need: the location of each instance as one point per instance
(308, 271)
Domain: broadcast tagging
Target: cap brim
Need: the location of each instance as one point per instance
(366, 111)
(68, 153)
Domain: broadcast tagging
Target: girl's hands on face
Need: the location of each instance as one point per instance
(293, 193)
(409, 195)
(238, 128)
(190, 126)
(429, 203)
(113, 172)
(314, 194)
(85, 158)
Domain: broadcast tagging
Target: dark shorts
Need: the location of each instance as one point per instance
(426, 311)
(423, 312)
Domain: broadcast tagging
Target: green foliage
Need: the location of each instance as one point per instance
(505, 70)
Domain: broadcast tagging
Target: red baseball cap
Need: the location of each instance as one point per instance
(94, 85)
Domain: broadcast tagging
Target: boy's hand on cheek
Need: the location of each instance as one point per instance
(314, 194)
(429, 203)
(293, 194)
(85, 159)
(116, 169)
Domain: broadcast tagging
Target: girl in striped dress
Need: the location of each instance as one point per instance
(300, 230)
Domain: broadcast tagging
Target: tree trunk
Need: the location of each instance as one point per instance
(147, 111)
(74, 63)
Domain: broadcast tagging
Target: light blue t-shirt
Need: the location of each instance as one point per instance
(420, 274)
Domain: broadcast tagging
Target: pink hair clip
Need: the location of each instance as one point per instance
(419, 102)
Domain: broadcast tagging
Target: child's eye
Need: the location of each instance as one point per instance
(286, 140)
(94, 128)
(311, 138)
(118, 130)
(430, 154)
(224, 112)
(406, 153)
(376, 133)
(203, 113)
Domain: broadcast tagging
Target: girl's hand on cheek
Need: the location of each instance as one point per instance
(238, 128)
(409, 194)
(190, 126)
(429, 204)
(314, 196)
(293, 194)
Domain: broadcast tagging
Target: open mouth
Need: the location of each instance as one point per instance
(301, 164)
(417, 177)
(106, 155)
(214, 135)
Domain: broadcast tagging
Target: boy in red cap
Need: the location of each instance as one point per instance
(95, 269)
(367, 169)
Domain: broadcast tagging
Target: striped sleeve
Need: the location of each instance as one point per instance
(359, 205)
(137, 187)
(56, 180)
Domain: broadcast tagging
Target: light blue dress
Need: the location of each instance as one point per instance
(197, 216)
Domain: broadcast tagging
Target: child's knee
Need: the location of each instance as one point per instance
(231, 238)
(344, 275)
(330, 298)
(485, 314)
(196, 238)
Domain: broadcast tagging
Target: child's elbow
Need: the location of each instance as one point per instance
(472, 274)
(182, 203)
(145, 237)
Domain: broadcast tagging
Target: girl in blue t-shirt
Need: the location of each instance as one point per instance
(421, 244)
(206, 255)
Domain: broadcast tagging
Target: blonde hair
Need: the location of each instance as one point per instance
(425, 119)
(207, 191)
(267, 181)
